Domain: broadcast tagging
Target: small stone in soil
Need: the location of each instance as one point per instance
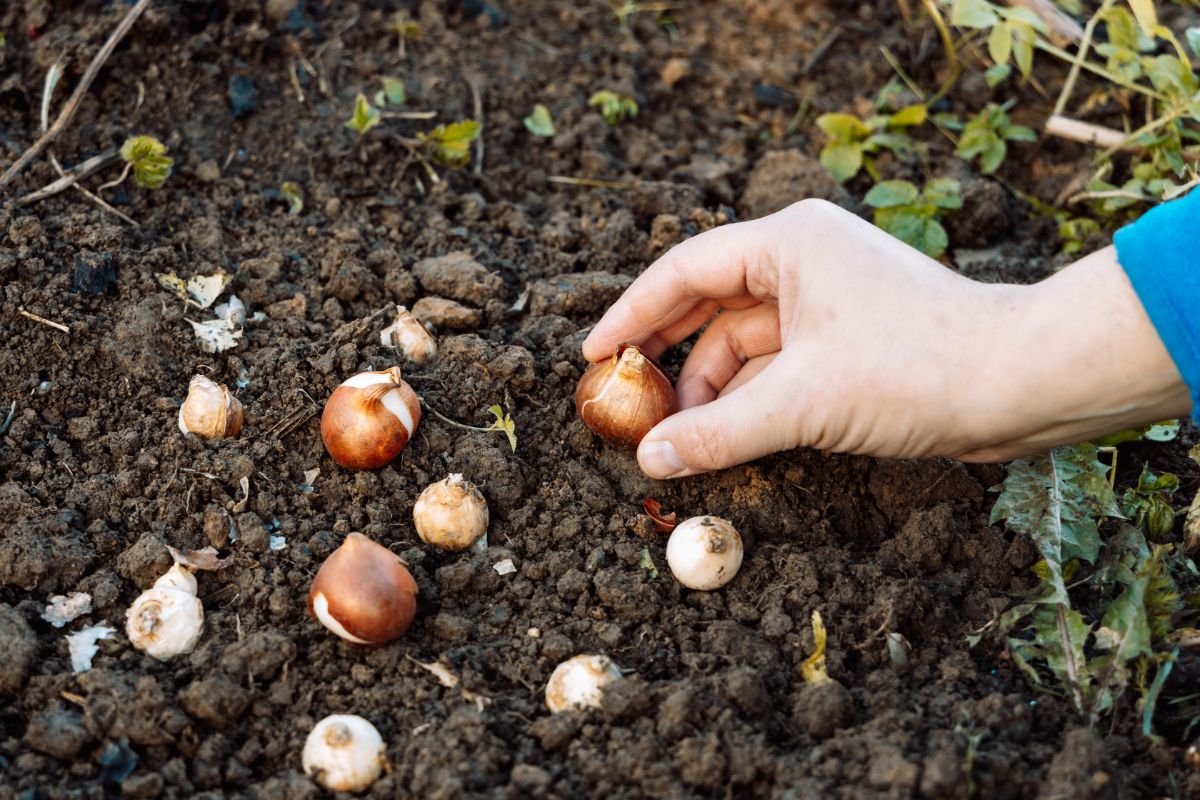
(58, 733)
(19, 651)
(94, 273)
(243, 96)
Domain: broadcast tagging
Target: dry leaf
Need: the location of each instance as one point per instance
(204, 559)
(240, 505)
(66, 607)
(665, 523)
(200, 291)
(83, 647)
(215, 335)
(438, 670)
(450, 680)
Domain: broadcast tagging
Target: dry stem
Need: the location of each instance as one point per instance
(72, 106)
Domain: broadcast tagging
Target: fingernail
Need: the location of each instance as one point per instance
(659, 460)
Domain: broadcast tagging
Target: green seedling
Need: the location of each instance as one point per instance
(392, 93)
(364, 117)
(147, 158)
(987, 134)
(911, 215)
(504, 424)
(1074, 232)
(853, 143)
(405, 28)
(1148, 505)
(1012, 33)
(293, 195)
(813, 669)
(615, 108)
(539, 122)
(449, 145)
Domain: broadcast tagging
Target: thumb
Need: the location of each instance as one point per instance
(753, 420)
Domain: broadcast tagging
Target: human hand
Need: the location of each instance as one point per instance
(831, 334)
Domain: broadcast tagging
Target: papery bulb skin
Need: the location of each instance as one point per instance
(210, 410)
(623, 397)
(369, 419)
(704, 552)
(363, 592)
(409, 336)
(167, 619)
(579, 682)
(344, 753)
(451, 514)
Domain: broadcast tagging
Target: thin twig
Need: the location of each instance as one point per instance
(1058, 22)
(592, 182)
(78, 173)
(43, 320)
(12, 409)
(1095, 70)
(1080, 56)
(72, 106)
(821, 49)
(1085, 132)
(478, 101)
(408, 114)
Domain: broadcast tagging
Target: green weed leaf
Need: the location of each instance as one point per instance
(450, 145)
(615, 108)
(891, 193)
(364, 117)
(973, 14)
(504, 423)
(540, 123)
(149, 160)
(293, 195)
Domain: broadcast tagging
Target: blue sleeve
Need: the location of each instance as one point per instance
(1161, 255)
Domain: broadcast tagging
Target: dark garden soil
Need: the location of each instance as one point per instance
(95, 477)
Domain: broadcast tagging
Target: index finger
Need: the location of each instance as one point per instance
(732, 267)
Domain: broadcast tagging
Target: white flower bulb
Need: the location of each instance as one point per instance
(704, 552)
(344, 753)
(167, 619)
(579, 682)
(451, 514)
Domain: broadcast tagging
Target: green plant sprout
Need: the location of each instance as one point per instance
(1148, 504)
(293, 195)
(615, 108)
(147, 158)
(987, 134)
(449, 145)
(405, 28)
(539, 122)
(912, 216)
(364, 117)
(392, 93)
(503, 424)
(853, 142)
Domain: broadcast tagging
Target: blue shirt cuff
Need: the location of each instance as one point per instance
(1161, 255)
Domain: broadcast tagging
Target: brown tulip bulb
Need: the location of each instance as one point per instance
(363, 592)
(369, 418)
(210, 410)
(625, 396)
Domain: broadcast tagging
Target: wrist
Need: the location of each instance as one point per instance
(1077, 358)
